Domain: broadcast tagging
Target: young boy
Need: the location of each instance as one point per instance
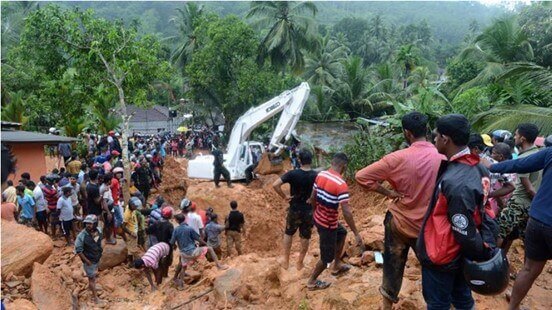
(186, 238)
(234, 228)
(26, 206)
(154, 260)
(212, 232)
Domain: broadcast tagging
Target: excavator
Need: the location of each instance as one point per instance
(240, 150)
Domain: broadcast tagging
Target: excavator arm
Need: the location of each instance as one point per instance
(290, 103)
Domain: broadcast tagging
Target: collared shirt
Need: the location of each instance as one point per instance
(90, 245)
(27, 206)
(185, 237)
(331, 191)
(411, 172)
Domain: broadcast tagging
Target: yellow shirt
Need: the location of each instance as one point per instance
(130, 220)
(10, 194)
(73, 167)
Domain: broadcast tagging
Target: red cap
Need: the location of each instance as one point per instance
(167, 212)
(115, 153)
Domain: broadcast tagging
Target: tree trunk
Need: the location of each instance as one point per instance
(124, 144)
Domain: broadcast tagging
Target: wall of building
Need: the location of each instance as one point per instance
(30, 158)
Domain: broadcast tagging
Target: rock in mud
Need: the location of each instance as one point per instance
(21, 304)
(227, 283)
(22, 247)
(113, 255)
(47, 290)
(367, 257)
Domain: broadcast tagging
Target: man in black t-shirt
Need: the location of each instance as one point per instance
(299, 214)
(234, 228)
(93, 197)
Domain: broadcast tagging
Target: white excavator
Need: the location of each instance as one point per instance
(239, 153)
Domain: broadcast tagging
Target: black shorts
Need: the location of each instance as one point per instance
(329, 238)
(66, 227)
(106, 221)
(41, 216)
(299, 219)
(538, 240)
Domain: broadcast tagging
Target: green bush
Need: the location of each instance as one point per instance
(369, 146)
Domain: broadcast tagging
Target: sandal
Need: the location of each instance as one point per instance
(319, 285)
(343, 269)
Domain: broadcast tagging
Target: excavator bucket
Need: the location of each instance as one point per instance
(269, 164)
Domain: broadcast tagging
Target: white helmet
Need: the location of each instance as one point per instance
(185, 203)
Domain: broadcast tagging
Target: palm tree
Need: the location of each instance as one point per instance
(13, 20)
(290, 31)
(15, 110)
(186, 41)
(420, 77)
(352, 94)
(408, 57)
(324, 66)
(502, 43)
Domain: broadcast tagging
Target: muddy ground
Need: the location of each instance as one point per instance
(255, 279)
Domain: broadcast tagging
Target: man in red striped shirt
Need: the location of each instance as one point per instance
(329, 192)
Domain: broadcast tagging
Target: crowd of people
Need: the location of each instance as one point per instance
(458, 199)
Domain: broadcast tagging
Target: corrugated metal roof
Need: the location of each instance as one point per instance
(154, 114)
(19, 136)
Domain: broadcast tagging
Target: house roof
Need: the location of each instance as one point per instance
(154, 114)
(19, 136)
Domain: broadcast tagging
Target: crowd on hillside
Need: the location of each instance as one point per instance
(457, 198)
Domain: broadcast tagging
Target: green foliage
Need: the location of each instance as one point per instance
(14, 110)
(471, 102)
(66, 56)
(369, 146)
(508, 117)
(223, 71)
(291, 31)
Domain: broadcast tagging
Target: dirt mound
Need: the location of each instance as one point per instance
(21, 247)
(174, 186)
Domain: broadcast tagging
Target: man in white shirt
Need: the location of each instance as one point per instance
(193, 219)
(65, 206)
(41, 204)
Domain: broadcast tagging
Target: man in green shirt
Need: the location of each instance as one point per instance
(514, 216)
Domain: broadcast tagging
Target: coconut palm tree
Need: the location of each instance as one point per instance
(500, 44)
(323, 67)
(408, 56)
(186, 41)
(290, 31)
(14, 111)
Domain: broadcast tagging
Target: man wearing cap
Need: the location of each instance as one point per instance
(88, 246)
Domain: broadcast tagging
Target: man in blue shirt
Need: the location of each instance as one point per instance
(538, 233)
(186, 238)
(26, 206)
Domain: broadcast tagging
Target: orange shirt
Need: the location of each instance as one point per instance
(411, 172)
(8, 211)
